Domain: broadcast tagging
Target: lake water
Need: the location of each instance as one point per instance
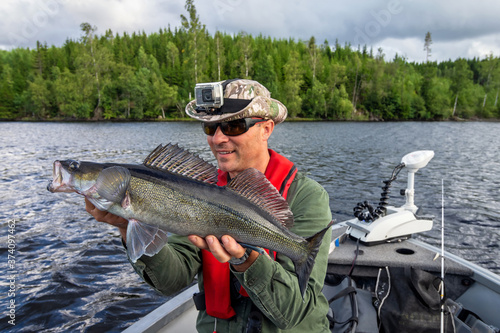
(71, 274)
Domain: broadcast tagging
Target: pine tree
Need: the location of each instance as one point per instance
(196, 42)
(96, 61)
(427, 45)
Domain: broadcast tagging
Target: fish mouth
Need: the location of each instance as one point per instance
(61, 179)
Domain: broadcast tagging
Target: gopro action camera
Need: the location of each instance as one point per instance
(209, 95)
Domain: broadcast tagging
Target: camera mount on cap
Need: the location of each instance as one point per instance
(209, 98)
(209, 95)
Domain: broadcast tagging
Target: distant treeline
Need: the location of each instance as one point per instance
(142, 76)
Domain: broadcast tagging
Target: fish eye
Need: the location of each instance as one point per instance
(74, 165)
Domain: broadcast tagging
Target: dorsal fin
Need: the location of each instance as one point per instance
(174, 159)
(253, 185)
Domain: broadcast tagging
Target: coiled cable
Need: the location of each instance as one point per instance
(365, 212)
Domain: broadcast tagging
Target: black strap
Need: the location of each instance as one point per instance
(351, 292)
(199, 301)
(232, 105)
(225, 83)
(287, 178)
(342, 293)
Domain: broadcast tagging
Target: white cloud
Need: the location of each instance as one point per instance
(442, 50)
(459, 28)
(54, 21)
(483, 47)
(410, 48)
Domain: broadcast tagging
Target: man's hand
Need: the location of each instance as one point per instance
(106, 217)
(225, 251)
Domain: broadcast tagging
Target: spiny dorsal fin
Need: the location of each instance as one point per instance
(253, 185)
(174, 159)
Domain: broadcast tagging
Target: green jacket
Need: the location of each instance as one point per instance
(272, 285)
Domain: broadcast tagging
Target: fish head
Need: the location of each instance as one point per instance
(74, 176)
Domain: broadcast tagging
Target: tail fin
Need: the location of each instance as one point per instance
(304, 268)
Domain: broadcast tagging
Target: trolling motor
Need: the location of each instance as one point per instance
(387, 223)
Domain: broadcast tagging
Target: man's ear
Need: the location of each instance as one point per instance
(267, 129)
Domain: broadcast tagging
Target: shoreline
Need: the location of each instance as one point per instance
(29, 120)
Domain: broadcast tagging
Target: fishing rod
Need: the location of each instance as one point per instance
(441, 286)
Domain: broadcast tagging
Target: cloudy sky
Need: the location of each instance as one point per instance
(459, 28)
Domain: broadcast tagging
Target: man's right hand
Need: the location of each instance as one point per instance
(106, 217)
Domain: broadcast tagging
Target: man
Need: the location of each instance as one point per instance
(235, 283)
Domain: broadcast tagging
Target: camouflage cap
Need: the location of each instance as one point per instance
(260, 105)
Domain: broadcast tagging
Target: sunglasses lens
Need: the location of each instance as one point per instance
(235, 127)
(230, 128)
(210, 129)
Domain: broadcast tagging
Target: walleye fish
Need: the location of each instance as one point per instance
(175, 191)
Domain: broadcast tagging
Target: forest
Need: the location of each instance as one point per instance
(141, 76)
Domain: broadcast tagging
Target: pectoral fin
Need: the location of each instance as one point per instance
(143, 239)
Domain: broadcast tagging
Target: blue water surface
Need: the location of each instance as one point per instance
(71, 273)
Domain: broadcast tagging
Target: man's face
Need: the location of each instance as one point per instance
(248, 150)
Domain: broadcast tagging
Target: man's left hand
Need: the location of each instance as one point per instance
(225, 251)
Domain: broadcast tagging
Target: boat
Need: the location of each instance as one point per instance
(380, 278)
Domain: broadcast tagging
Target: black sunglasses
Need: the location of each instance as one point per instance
(231, 128)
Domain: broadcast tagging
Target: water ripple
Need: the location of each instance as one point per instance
(74, 275)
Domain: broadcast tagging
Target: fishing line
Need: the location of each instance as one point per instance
(441, 286)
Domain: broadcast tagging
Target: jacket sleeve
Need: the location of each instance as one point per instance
(171, 269)
(273, 285)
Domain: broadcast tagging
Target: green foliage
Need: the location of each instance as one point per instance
(39, 93)
(7, 93)
(292, 82)
(438, 100)
(139, 76)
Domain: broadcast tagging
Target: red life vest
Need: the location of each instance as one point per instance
(216, 276)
